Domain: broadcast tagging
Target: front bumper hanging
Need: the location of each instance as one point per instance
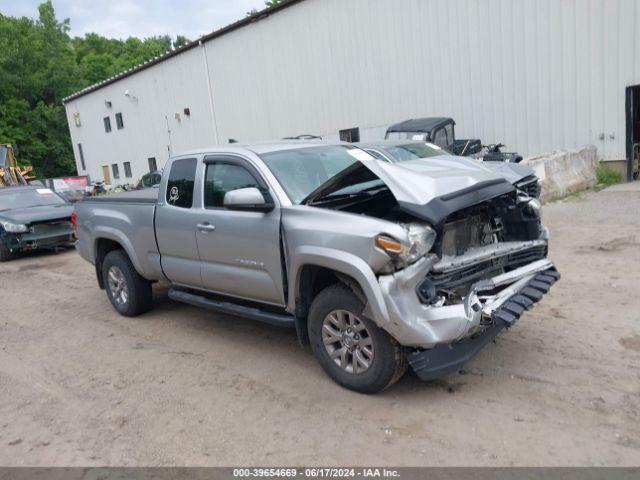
(504, 310)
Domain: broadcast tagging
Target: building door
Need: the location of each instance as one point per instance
(632, 105)
(105, 174)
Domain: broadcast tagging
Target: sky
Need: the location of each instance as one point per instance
(139, 18)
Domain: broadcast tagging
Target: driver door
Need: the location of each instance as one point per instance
(239, 250)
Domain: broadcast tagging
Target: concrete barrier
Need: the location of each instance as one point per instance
(566, 172)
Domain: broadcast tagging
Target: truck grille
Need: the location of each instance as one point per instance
(460, 235)
(452, 279)
(50, 227)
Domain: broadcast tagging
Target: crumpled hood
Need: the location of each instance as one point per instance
(513, 172)
(37, 214)
(420, 181)
(431, 190)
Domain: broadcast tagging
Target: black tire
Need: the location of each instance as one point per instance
(139, 293)
(5, 253)
(388, 363)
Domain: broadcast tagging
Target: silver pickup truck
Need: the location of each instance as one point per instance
(376, 265)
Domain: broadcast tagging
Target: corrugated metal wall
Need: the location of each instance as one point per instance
(153, 114)
(538, 75)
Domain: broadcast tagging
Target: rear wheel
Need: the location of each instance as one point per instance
(352, 349)
(129, 293)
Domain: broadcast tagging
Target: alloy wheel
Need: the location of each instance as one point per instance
(347, 341)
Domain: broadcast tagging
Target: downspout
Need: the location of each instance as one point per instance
(208, 80)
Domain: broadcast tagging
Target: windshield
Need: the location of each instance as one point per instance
(415, 151)
(407, 136)
(10, 199)
(300, 171)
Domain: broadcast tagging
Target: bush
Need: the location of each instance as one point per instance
(607, 176)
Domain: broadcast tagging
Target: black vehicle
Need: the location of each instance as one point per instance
(33, 217)
(441, 132)
(149, 180)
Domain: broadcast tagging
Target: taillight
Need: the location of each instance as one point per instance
(74, 223)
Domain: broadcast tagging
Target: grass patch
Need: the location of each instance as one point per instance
(607, 176)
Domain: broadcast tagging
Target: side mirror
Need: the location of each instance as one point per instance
(250, 199)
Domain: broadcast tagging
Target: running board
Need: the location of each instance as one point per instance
(276, 319)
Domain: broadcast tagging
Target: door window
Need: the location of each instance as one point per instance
(180, 184)
(222, 178)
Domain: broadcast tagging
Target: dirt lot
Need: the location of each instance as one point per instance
(81, 385)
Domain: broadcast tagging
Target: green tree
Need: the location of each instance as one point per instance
(267, 4)
(37, 69)
(40, 65)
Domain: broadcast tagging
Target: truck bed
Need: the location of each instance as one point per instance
(148, 195)
(126, 218)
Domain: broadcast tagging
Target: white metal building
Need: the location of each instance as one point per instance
(537, 75)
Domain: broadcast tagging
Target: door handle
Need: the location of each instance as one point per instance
(205, 227)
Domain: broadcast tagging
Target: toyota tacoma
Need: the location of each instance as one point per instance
(377, 266)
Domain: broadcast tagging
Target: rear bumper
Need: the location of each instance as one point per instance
(501, 311)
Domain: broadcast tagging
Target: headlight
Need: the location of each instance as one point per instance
(13, 227)
(421, 239)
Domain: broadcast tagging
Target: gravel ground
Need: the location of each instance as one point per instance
(80, 385)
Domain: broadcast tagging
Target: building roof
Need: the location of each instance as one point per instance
(205, 38)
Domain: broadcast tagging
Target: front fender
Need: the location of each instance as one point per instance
(342, 262)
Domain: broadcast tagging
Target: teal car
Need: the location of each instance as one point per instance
(33, 218)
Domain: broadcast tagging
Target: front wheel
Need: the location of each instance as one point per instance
(351, 349)
(5, 253)
(129, 293)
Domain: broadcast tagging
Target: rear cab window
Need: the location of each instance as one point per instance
(181, 181)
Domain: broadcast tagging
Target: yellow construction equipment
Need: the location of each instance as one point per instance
(10, 173)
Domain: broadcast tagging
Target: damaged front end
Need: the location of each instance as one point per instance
(487, 267)
(486, 261)
(45, 234)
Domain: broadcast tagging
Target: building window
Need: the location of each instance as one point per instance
(107, 124)
(180, 183)
(81, 156)
(127, 169)
(114, 169)
(152, 164)
(119, 123)
(350, 135)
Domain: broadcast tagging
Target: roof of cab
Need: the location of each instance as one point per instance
(425, 125)
(262, 147)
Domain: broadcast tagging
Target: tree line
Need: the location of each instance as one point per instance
(40, 64)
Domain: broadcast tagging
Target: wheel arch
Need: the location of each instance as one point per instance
(105, 243)
(315, 268)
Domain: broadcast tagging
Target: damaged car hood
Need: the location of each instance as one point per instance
(513, 172)
(429, 190)
(37, 214)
